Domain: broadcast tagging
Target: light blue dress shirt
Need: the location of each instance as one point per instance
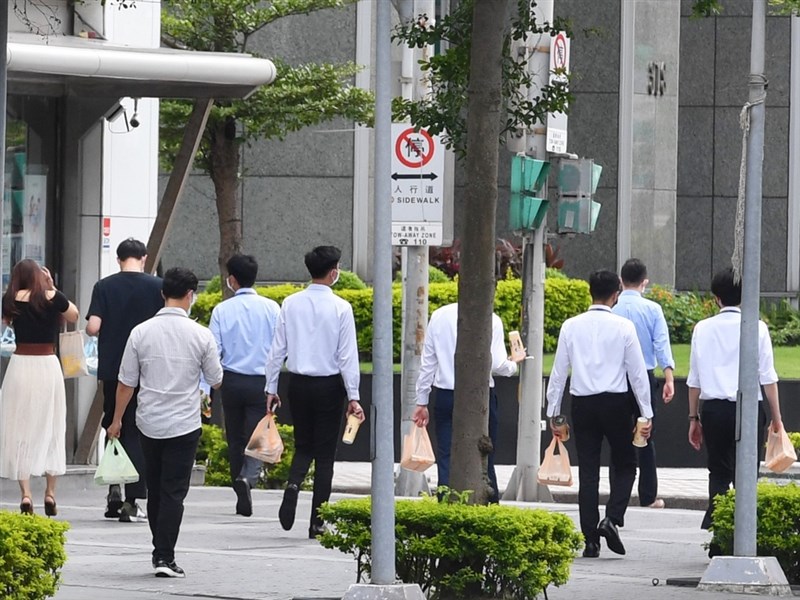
(651, 328)
(243, 327)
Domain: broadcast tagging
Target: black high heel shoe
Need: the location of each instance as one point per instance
(26, 506)
(50, 508)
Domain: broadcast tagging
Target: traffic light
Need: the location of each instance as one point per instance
(528, 175)
(577, 184)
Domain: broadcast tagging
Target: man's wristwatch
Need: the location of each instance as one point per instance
(694, 418)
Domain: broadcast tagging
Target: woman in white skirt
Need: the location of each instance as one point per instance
(33, 410)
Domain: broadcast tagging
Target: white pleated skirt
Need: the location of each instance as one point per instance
(33, 418)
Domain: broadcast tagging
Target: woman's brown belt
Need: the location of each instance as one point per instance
(35, 349)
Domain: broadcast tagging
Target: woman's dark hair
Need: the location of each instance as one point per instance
(177, 283)
(321, 260)
(26, 275)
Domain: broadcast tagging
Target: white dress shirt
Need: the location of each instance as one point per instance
(165, 357)
(437, 366)
(316, 334)
(714, 358)
(603, 352)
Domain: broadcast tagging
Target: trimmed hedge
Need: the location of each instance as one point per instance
(564, 298)
(31, 555)
(778, 518)
(461, 550)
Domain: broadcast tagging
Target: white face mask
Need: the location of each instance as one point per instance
(228, 283)
(335, 279)
(191, 304)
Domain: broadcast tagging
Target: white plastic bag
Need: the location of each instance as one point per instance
(90, 351)
(71, 353)
(8, 342)
(780, 451)
(115, 467)
(555, 468)
(266, 444)
(417, 452)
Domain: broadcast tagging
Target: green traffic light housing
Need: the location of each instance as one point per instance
(528, 175)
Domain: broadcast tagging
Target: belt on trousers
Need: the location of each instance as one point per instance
(35, 349)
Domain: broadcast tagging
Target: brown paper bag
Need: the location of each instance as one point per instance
(71, 353)
(417, 450)
(780, 451)
(265, 444)
(555, 468)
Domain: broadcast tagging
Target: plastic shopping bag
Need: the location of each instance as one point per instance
(8, 343)
(266, 444)
(555, 468)
(115, 467)
(417, 450)
(70, 350)
(90, 351)
(780, 451)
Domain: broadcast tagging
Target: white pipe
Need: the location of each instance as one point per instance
(793, 225)
(625, 177)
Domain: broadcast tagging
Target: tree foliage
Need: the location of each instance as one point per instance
(443, 111)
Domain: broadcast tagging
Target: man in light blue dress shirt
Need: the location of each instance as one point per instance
(243, 327)
(653, 334)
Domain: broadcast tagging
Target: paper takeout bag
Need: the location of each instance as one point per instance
(780, 451)
(555, 468)
(266, 444)
(72, 355)
(417, 450)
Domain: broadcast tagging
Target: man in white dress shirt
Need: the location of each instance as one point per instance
(603, 354)
(437, 371)
(316, 335)
(714, 379)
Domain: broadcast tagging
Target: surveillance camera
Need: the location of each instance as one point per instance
(113, 113)
(134, 120)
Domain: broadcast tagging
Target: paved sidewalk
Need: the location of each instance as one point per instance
(238, 558)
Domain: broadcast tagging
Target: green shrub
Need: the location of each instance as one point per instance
(349, 281)
(795, 438)
(564, 298)
(213, 452)
(783, 322)
(31, 555)
(214, 285)
(778, 518)
(682, 310)
(460, 550)
(436, 275)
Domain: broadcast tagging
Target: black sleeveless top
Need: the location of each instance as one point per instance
(32, 327)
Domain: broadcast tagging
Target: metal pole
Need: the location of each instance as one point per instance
(383, 553)
(415, 273)
(523, 485)
(744, 541)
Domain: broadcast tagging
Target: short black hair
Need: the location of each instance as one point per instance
(131, 248)
(723, 287)
(633, 272)
(321, 260)
(177, 283)
(244, 268)
(603, 284)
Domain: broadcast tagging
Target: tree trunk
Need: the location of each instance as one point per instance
(471, 443)
(224, 170)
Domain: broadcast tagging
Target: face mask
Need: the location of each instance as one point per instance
(191, 304)
(335, 279)
(228, 283)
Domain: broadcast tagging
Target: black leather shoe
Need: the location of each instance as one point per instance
(608, 530)
(316, 530)
(592, 550)
(288, 506)
(714, 549)
(244, 501)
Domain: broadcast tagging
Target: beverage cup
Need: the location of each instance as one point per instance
(560, 424)
(517, 350)
(638, 440)
(351, 429)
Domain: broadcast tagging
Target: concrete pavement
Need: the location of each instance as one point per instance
(238, 558)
